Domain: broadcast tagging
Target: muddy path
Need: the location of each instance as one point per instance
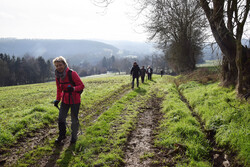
(218, 156)
(10, 156)
(140, 150)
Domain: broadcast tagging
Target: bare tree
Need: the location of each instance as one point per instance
(227, 19)
(178, 27)
(102, 3)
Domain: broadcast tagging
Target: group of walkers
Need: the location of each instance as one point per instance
(69, 88)
(136, 72)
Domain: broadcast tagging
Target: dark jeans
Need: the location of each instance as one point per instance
(64, 109)
(149, 76)
(142, 78)
(137, 81)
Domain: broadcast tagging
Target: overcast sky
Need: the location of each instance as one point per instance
(68, 19)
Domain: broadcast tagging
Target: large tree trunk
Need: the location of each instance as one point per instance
(239, 54)
(224, 39)
(245, 69)
(227, 45)
(239, 57)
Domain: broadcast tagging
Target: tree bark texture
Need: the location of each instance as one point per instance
(235, 64)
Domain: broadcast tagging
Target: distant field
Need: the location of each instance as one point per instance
(209, 63)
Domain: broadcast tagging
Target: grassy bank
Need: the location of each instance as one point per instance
(179, 132)
(223, 113)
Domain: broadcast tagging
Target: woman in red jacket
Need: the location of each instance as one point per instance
(69, 88)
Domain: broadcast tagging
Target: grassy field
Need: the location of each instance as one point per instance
(110, 113)
(29, 107)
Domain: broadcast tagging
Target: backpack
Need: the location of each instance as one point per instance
(70, 80)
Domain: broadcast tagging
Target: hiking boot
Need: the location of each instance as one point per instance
(60, 138)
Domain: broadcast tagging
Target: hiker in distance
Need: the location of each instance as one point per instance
(143, 72)
(135, 72)
(69, 89)
(149, 72)
(162, 72)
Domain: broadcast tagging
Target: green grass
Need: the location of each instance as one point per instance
(180, 131)
(224, 113)
(103, 141)
(26, 108)
(97, 89)
(103, 88)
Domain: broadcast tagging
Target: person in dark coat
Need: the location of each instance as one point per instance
(143, 72)
(149, 72)
(162, 72)
(135, 72)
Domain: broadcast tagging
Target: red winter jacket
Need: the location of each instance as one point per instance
(62, 85)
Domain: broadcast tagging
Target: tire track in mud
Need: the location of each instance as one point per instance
(219, 156)
(11, 155)
(140, 149)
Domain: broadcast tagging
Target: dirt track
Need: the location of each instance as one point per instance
(140, 150)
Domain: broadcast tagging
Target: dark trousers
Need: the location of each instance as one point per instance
(137, 81)
(149, 76)
(142, 78)
(64, 109)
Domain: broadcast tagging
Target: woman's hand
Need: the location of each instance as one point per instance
(56, 102)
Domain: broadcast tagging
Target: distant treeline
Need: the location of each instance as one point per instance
(25, 70)
(28, 69)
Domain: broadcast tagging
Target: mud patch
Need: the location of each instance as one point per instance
(140, 148)
(139, 145)
(11, 155)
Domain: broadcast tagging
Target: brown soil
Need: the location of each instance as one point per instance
(140, 150)
(11, 155)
